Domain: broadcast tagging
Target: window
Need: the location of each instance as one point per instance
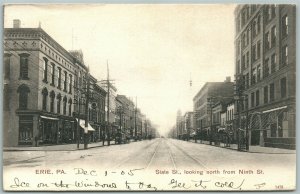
(252, 99)
(253, 52)
(266, 93)
(284, 55)
(283, 87)
(258, 72)
(65, 81)
(243, 62)
(273, 36)
(44, 102)
(273, 63)
(258, 23)
(257, 98)
(266, 68)
(24, 66)
(254, 27)
(59, 78)
(25, 130)
(258, 49)
(70, 107)
(45, 69)
(268, 41)
(244, 40)
(52, 73)
(23, 91)
(70, 84)
(247, 59)
(272, 92)
(52, 96)
(285, 25)
(65, 106)
(58, 97)
(253, 76)
(7, 66)
(238, 66)
(247, 80)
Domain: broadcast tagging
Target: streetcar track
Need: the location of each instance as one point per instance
(134, 155)
(155, 150)
(191, 157)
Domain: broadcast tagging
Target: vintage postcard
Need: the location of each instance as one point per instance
(149, 97)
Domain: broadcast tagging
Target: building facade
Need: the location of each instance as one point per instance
(209, 95)
(265, 58)
(39, 78)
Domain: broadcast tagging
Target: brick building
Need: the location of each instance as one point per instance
(39, 81)
(265, 57)
(209, 95)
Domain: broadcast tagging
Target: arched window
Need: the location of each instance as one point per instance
(58, 97)
(52, 97)
(45, 95)
(23, 91)
(7, 65)
(24, 65)
(70, 107)
(65, 106)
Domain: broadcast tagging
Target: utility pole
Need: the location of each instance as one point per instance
(135, 112)
(108, 91)
(87, 109)
(78, 121)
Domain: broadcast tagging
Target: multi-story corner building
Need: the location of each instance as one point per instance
(39, 77)
(265, 58)
(204, 100)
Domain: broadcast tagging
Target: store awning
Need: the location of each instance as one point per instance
(82, 125)
(50, 118)
(274, 109)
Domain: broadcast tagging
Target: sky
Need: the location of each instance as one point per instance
(153, 51)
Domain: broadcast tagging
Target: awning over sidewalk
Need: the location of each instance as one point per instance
(49, 118)
(88, 128)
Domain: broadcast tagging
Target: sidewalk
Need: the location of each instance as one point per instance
(253, 149)
(62, 147)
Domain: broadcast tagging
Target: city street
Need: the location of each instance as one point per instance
(149, 154)
(161, 161)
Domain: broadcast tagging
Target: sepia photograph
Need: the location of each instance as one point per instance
(149, 97)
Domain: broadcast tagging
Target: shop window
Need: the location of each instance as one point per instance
(23, 91)
(24, 66)
(25, 130)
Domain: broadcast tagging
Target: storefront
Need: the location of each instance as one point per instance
(25, 130)
(48, 131)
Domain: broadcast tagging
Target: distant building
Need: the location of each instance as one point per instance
(204, 100)
(265, 58)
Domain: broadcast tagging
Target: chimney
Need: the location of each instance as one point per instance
(17, 23)
(228, 79)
